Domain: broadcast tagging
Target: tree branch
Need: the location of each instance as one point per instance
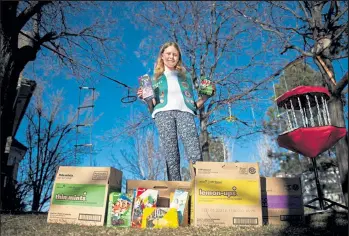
(341, 84)
(308, 54)
(224, 118)
(47, 37)
(329, 14)
(307, 6)
(339, 15)
(340, 57)
(289, 10)
(326, 77)
(327, 70)
(230, 100)
(29, 12)
(8, 13)
(304, 10)
(340, 31)
(264, 26)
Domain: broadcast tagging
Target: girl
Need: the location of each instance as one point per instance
(174, 108)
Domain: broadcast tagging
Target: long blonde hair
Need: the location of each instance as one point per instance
(159, 65)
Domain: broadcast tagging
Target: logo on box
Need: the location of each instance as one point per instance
(295, 187)
(100, 175)
(65, 176)
(290, 187)
(245, 171)
(227, 194)
(252, 170)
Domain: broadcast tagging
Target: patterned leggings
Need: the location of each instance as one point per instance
(169, 123)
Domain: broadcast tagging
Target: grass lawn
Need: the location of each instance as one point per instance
(334, 223)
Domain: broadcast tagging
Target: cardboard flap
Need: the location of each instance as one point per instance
(227, 169)
(115, 178)
(164, 187)
(83, 175)
(281, 186)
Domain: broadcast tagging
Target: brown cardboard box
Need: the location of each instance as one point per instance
(164, 188)
(226, 194)
(282, 201)
(79, 194)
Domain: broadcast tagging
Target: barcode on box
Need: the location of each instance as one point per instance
(291, 217)
(245, 221)
(90, 217)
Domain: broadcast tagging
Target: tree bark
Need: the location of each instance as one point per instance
(36, 201)
(204, 135)
(335, 107)
(9, 74)
(336, 110)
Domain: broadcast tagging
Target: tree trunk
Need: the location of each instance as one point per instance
(204, 136)
(36, 201)
(335, 107)
(8, 97)
(10, 69)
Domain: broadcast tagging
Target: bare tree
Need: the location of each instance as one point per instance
(267, 165)
(217, 44)
(142, 160)
(50, 140)
(315, 29)
(52, 31)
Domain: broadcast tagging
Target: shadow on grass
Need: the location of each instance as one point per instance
(321, 223)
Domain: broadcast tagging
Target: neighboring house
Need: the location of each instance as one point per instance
(17, 152)
(15, 149)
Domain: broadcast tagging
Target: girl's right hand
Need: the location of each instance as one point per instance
(140, 93)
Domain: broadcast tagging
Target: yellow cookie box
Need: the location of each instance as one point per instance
(159, 217)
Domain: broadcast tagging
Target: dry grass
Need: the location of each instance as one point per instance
(319, 224)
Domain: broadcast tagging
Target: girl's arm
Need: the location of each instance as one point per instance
(200, 102)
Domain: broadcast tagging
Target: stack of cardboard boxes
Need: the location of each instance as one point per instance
(220, 194)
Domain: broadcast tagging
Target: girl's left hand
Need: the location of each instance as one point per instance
(213, 89)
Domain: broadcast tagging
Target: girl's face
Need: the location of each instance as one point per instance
(170, 57)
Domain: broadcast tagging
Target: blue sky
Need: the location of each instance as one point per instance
(108, 104)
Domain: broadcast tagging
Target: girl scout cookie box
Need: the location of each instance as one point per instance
(179, 199)
(79, 194)
(226, 194)
(119, 209)
(165, 188)
(142, 198)
(282, 201)
(160, 217)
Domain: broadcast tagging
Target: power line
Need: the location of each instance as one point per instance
(70, 59)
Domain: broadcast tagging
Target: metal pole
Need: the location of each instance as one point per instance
(77, 129)
(318, 186)
(92, 120)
